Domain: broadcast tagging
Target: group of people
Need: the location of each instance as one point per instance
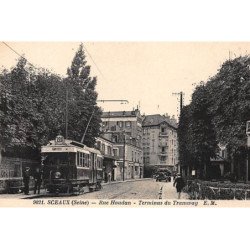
(37, 175)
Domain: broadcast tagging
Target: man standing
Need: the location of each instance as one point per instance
(26, 180)
(179, 184)
(38, 180)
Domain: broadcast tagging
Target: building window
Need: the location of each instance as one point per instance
(114, 138)
(113, 128)
(163, 130)
(163, 149)
(128, 124)
(109, 150)
(98, 145)
(163, 158)
(103, 148)
(115, 152)
(120, 124)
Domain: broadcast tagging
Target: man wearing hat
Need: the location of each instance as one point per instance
(26, 180)
(179, 184)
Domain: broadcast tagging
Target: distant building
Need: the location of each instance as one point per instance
(124, 130)
(160, 144)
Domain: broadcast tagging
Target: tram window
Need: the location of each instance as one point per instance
(78, 158)
(248, 127)
(90, 160)
(95, 161)
(87, 160)
(82, 159)
(99, 162)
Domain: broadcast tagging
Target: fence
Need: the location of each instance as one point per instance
(218, 191)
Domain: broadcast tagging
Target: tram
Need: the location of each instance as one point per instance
(71, 167)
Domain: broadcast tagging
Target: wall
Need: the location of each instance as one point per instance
(12, 169)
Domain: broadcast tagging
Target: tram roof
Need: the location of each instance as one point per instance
(69, 144)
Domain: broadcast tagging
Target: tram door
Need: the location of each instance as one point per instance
(93, 167)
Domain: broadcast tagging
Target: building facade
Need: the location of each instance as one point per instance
(124, 130)
(110, 154)
(160, 144)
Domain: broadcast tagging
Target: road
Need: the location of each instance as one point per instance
(136, 189)
(142, 189)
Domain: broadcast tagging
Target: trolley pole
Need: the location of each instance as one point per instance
(66, 113)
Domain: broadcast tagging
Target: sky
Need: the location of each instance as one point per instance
(144, 73)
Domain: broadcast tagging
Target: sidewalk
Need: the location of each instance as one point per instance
(44, 193)
(23, 196)
(169, 192)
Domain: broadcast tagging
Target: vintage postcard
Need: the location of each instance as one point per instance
(124, 124)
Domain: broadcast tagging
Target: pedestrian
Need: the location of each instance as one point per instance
(179, 184)
(38, 180)
(109, 177)
(26, 180)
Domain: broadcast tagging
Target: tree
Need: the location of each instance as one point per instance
(204, 140)
(185, 138)
(230, 91)
(218, 113)
(33, 106)
(82, 101)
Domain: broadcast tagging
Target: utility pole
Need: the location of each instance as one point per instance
(66, 113)
(181, 94)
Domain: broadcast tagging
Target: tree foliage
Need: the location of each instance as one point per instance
(217, 115)
(33, 106)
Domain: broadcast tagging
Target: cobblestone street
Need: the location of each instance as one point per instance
(139, 189)
(145, 189)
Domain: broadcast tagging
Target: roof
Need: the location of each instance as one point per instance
(119, 114)
(155, 120)
(218, 159)
(101, 137)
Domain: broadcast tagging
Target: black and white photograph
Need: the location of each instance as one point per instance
(125, 123)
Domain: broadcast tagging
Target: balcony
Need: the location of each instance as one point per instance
(163, 134)
(163, 162)
(162, 153)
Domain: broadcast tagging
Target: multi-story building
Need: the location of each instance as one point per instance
(110, 154)
(124, 130)
(160, 144)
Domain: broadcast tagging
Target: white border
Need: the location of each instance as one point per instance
(113, 20)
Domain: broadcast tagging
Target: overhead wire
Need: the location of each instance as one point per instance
(7, 45)
(94, 61)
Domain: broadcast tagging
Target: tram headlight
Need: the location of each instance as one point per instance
(57, 175)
